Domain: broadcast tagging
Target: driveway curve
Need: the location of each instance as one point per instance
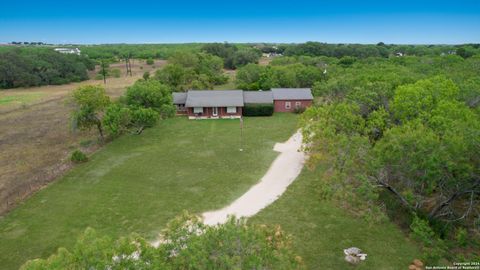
(283, 171)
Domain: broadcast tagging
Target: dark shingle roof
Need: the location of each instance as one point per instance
(292, 93)
(214, 98)
(257, 97)
(179, 97)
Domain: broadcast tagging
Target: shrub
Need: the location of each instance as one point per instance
(117, 119)
(99, 76)
(299, 110)
(78, 157)
(461, 236)
(189, 244)
(258, 110)
(167, 111)
(434, 248)
(144, 117)
(146, 75)
(150, 61)
(115, 73)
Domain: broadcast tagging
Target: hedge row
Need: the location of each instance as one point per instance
(258, 110)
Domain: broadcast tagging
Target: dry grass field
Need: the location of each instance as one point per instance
(35, 134)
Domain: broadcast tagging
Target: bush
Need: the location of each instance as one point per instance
(189, 244)
(117, 119)
(98, 76)
(115, 73)
(299, 110)
(434, 248)
(461, 236)
(78, 157)
(146, 75)
(150, 61)
(144, 117)
(258, 110)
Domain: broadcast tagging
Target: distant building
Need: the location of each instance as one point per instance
(68, 50)
(399, 54)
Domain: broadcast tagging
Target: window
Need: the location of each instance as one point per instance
(180, 107)
(231, 109)
(298, 104)
(197, 109)
(288, 105)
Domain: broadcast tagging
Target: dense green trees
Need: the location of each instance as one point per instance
(141, 107)
(192, 71)
(416, 143)
(400, 132)
(233, 57)
(187, 244)
(255, 77)
(378, 50)
(22, 67)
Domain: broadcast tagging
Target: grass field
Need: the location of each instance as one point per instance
(138, 183)
(35, 133)
(20, 99)
(321, 230)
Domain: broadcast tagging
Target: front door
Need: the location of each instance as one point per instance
(215, 111)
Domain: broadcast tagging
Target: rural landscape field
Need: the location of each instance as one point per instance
(137, 138)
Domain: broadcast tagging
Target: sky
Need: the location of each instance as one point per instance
(294, 21)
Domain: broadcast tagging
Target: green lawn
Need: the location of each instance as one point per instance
(20, 98)
(138, 183)
(321, 230)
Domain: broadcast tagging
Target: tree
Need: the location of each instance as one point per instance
(175, 75)
(418, 99)
(248, 77)
(117, 119)
(149, 94)
(143, 117)
(90, 102)
(245, 56)
(188, 245)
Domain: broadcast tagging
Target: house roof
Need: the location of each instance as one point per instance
(214, 98)
(257, 97)
(292, 93)
(179, 97)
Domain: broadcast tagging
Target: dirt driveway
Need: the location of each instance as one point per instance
(283, 171)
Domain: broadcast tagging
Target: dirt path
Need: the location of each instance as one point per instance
(283, 171)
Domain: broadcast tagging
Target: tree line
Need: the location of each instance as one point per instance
(23, 67)
(369, 50)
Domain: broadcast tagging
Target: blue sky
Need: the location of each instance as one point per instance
(401, 22)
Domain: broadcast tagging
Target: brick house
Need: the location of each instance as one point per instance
(214, 104)
(203, 104)
(288, 100)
